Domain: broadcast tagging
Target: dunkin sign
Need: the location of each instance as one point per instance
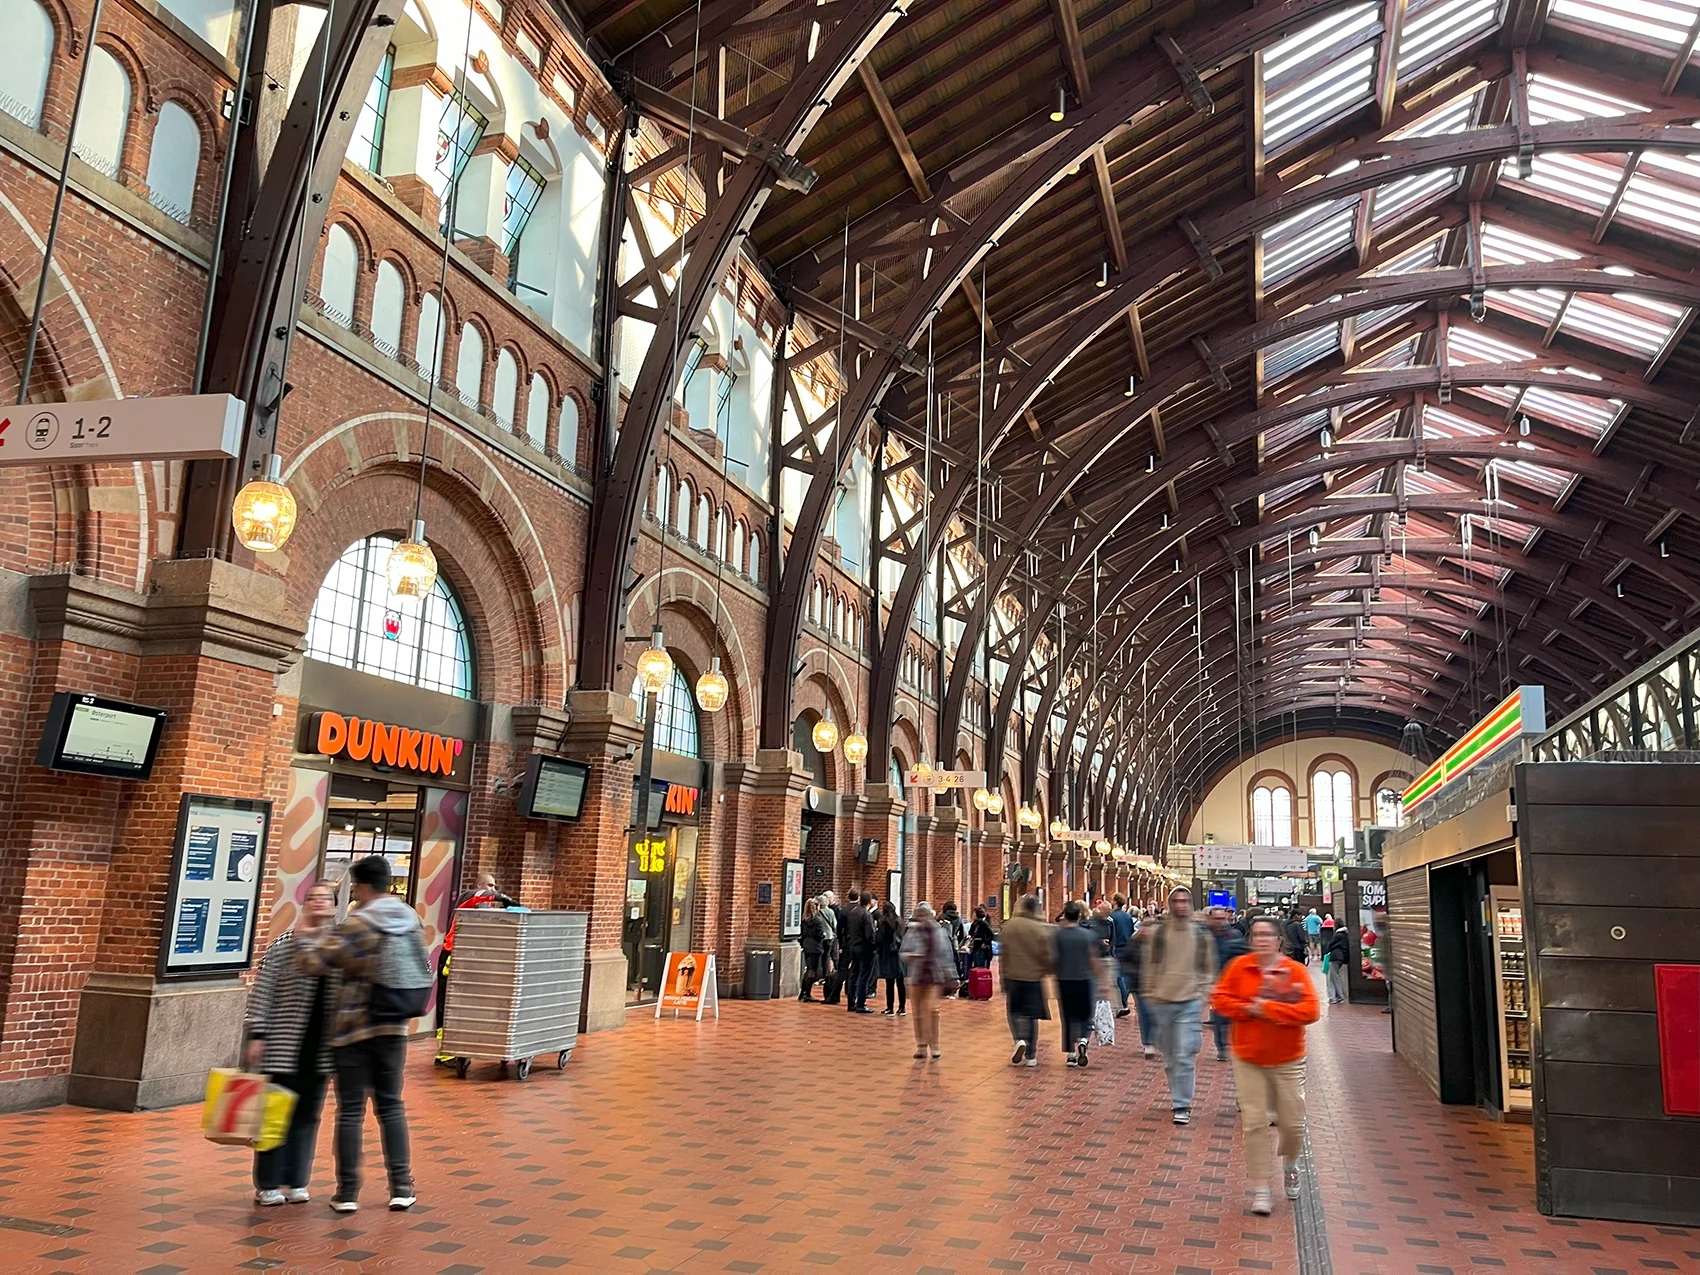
(380, 744)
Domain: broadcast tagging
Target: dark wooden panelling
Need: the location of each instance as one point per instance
(1598, 830)
(1633, 881)
(1622, 1146)
(1572, 983)
(1634, 1197)
(1603, 783)
(1597, 1036)
(1414, 1034)
(1649, 934)
(1591, 1089)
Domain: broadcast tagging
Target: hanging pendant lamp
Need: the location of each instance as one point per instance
(412, 568)
(263, 514)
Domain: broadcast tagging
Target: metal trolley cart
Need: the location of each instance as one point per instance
(514, 987)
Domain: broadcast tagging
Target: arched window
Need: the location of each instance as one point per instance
(537, 410)
(1332, 812)
(721, 530)
(738, 546)
(567, 442)
(174, 161)
(704, 506)
(1271, 813)
(663, 497)
(682, 510)
(428, 343)
(357, 623)
(336, 285)
(389, 298)
(754, 571)
(675, 715)
(105, 116)
(1389, 808)
(815, 603)
(469, 368)
(506, 396)
(23, 74)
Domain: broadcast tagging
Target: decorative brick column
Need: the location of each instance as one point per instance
(92, 857)
(775, 784)
(882, 808)
(590, 864)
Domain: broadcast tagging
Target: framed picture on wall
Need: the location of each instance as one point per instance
(791, 910)
(217, 870)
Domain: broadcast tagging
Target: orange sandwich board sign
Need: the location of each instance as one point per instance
(688, 984)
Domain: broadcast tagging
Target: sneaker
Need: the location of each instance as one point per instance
(887, 1012)
(935, 1055)
(1262, 1203)
(340, 1205)
(1290, 1180)
(265, 1199)
(296, 1195)
(1150, 1051)
(920, 1053)
(1072, 1061)
(1032, 1062)
(1020, 1054)
(1123, 1013)
(1080, 1053)
(1221, 1055)
(1183, 1115)
(401, 1201)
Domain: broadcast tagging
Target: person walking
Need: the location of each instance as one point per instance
(1336, 957)
(956, 932)
(1270, 1000)
(1297, 941)
(856, 934)
(1075, 948)
(813, 942)
(888, 946)
(981, 937)
(287, 1029)
(1132, 973)
(386, 979)
(1178, 968)
(1229, 946)
(1123, 927)
(1025, 953)
(1313, 934)
(930, 965)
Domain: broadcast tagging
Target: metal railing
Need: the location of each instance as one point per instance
(1650, 711)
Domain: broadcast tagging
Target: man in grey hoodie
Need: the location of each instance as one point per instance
(386, 978)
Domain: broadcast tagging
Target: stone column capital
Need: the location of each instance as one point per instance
(600, 724)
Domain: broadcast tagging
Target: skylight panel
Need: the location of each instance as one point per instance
(1402, 355)
(1282, 436)
(1434, 30)
(1300, 242)
(1456, 116)
(1439, 423)
(1552, 99)
(1539, 306)
(1585, 182)
(1425, 256)
(1473, 345)
(1425, 482)
(1579, 412)
(1286, 357)
(1372, 321)
(1288, 491)
(1318, 74)
(1502, 246)
(1662, 23)
(1396, 199)
(1624, 321)
(1549, 482)
(1368, 484)
(1664, 193)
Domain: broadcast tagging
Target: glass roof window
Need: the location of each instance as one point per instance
(1284, 435)
(1435, 29)
(1660, 25)
(1402, 355)
(1296, 352)
(1623, 321)
(1319, 74)
(1314, 235)
(1549, 482)
(1438, 423)
(1664, 193)
(1582, 413)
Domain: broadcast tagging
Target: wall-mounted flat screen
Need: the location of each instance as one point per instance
(100, 736)
(554, 788)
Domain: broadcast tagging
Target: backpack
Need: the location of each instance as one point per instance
(402, 987)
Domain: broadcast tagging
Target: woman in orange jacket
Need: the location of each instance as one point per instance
(1269, 999)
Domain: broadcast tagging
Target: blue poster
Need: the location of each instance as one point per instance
(232, 925)
(201, 854)
(191, 938)
(244, 856)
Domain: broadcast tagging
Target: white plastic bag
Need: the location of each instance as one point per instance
(1104, 1023)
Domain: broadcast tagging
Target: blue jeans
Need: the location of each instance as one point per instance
(1179, 1033)
(1147, 1033)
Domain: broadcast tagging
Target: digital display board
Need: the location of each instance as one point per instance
(213, 904)
(554, 788)
(96, 736)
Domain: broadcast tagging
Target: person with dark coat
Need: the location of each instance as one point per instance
(1075, 955)
(1229, 944)
(814, 944)
(1296, 943)
(981, 936)
(1337, 954)
(888, 943)
(1026, 960)
(1131, 961)
(956, 933)
(856, 937)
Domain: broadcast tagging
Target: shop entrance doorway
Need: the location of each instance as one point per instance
(660, 888)
(371, 816)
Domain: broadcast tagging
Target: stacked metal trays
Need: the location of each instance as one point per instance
(515, 986)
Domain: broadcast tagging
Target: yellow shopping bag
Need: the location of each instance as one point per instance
(246, 1110)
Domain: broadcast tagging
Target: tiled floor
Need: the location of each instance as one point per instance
(790, 1138)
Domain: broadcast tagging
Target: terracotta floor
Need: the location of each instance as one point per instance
(790, 1138)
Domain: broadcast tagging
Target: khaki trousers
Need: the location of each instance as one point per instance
(1267, 1093)
(924, 1014)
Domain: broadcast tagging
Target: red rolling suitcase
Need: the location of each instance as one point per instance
(980, 985)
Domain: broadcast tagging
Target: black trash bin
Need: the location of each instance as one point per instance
(759, 983)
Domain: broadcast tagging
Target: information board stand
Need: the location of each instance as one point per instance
(211, 910)
(688, 983)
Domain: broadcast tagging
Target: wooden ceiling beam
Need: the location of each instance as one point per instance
(1107, 206)
(894, 131)
(1074, 52)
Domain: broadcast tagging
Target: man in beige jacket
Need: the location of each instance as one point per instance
(1177, 973)
(1024, 958)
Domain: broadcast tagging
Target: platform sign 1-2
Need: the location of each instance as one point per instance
(180, 427)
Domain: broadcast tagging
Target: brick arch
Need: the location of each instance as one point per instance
(688, 595)
(61, 529)
(141, 87)
(413, 292)
(368, 262)
(467, 493)
(906, 730)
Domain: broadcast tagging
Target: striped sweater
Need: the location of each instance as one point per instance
(278, 1005)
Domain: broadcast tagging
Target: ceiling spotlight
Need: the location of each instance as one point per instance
(1131, 382)
(1664, 548)
(1327, 438)
(1104, 275)
(1177, 569)
(1315, 537)
(1620, 588)
(1061, 108)
(1151, 463)
(1523, 426)
(1165, 525)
